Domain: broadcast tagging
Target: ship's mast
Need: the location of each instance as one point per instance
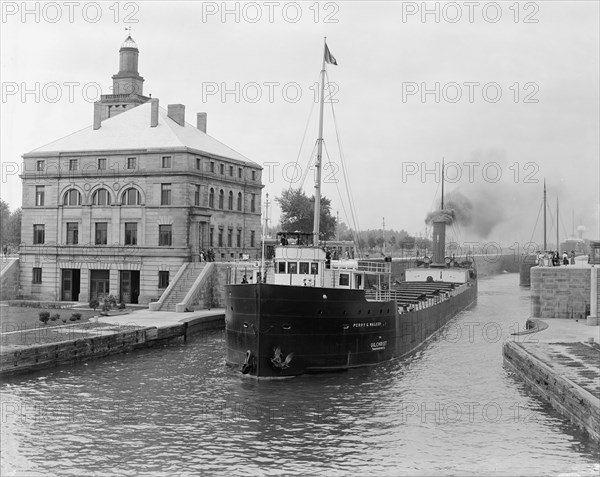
(317, 212)
(264, 237)
(442, 207)
(557, 238)
(545, 247)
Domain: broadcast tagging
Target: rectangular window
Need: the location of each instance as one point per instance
(163, 278)
(238, 239)
(253, 175)
(39, 195)
(37, 275)
(165, 235)
(212, 166)
(101, 233)
(252, 238)
(222, 168)
(220, 238)
(239, 172)
(231, 171)
(344, 279)
(165, 194)
(314, 268)
(230, 238)
(252, 202)
(101, 163)
(39, 233)
(40, 166)
(280, 267)
(73, 164)
(166, 162)
(198, 163)
(130, 233)
(197, 195)
(72, 233)
(304, 268)
(131, 163)
(211, 235)
(292, 267)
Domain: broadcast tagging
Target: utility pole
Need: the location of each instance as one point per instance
(337, 225)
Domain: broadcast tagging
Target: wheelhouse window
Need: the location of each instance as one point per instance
(101, 197)
(101, 233)
(163, 278)
(131, 196)
(304, 268)
(280, 267)
(130, 233)
(39, 234)
(39, 195)
(344, 279)
(102, 163)
(72, 233)
(72, 197)
(292, 268)
(165, 235)
(314, 268)
(165, 194)
(166, 162)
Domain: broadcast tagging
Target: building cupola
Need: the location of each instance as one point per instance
(128, 80)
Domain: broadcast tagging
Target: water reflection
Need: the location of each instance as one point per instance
(450, 409)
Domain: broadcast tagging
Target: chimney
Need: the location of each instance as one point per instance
(439, 242)
(201, 121)
(97, 114)
(177, 113)
(153, 112)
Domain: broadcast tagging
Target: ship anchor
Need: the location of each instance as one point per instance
(277, 361)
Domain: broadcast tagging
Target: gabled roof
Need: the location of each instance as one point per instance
(131, 130)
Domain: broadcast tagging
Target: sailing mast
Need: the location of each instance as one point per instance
(557, 242)
(545, 247)
(317, 211)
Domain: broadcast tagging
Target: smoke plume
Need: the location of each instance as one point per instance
(479, 213)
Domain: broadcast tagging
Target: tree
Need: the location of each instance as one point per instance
(10, 225)
(297, 212)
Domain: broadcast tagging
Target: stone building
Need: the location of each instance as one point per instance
(118, 207)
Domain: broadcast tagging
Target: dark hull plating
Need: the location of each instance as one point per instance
(323, 329)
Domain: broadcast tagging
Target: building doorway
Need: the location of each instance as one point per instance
(129, 286)
(99, 284)
(70, 283)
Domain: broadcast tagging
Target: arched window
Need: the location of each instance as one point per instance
(230, 201)
(211, 198)
(72, 197)
(101, 197)
(239, 204)
(221, 198)
(131, 197)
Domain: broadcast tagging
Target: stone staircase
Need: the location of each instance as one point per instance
(182, 286)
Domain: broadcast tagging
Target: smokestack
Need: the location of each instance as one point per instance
(153, 112)
(201, 121)
(177, 113)
(97, 114)
(439, 242)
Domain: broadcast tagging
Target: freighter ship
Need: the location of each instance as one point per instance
(311, 314)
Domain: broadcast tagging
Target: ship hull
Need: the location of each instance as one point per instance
(278, 331)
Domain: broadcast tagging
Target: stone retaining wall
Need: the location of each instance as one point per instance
(560, 292)
(580, 406)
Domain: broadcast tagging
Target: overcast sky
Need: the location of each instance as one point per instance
(517, 96)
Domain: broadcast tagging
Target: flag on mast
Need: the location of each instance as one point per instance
(329, 58)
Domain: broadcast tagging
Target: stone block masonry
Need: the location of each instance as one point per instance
(560, 292)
